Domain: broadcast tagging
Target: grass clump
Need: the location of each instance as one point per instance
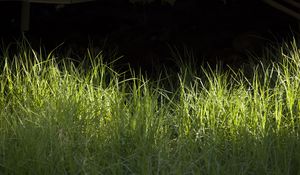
(58, 118)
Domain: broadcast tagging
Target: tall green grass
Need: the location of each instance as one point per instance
(58, 118)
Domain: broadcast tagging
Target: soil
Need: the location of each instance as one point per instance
(145, 34)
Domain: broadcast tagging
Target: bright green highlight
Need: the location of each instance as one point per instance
(58, 118)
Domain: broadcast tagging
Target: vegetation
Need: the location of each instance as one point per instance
(58, 118)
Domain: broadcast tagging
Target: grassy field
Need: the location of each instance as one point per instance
(61, 118)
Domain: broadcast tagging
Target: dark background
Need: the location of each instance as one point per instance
(143, 34)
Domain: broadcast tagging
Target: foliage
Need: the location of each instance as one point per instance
(58, 118)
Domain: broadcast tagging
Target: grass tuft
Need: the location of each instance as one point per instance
(58, 117)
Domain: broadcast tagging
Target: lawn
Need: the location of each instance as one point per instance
(58, 117)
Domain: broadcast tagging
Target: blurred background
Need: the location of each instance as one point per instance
(144, 31)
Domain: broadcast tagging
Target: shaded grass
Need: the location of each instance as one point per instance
(58, 118)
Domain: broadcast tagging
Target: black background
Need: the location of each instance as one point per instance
(144, 33)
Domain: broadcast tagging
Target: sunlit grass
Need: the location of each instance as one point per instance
(58, 118)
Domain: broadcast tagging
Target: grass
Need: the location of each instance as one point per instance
(58, 118)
